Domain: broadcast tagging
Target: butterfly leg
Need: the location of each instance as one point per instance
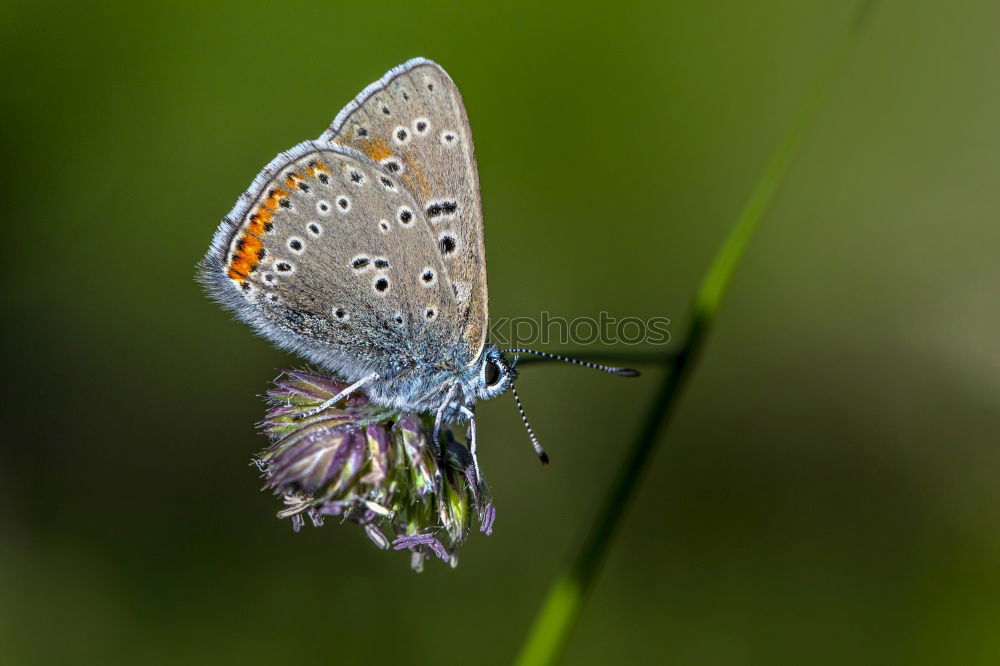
(337, 398)
(472, 440)
(437, 430)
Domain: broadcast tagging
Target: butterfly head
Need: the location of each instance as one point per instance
(495, 374)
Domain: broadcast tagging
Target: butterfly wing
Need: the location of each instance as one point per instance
(413, 123)
(328, 256)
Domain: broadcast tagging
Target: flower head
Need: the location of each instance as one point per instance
(372, 466)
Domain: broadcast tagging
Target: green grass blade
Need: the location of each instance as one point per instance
(547, 637)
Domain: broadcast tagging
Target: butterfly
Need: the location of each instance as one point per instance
(362, 251)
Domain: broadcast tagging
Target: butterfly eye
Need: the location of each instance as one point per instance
(491, 373)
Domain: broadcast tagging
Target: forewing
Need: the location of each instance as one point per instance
(329, 256)
(413, 123)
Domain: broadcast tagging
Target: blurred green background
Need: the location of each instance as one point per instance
(828, 493)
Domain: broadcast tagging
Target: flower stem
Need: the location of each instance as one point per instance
(548, 635)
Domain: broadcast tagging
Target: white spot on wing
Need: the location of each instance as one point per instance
(392, 164)
(405, 216)
(361, 263)
(354, 175)
(401, 135)
(381, 285)
(448, 244)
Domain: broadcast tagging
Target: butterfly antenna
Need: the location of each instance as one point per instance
(544, 457)
(621, 372)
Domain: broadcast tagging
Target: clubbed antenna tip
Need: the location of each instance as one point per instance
(539, 451)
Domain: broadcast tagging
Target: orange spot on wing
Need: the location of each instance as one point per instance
(376, 149)
(243, 264)
(247, 248)
(252, 245)
(317, 168)
(255, 226)
(246, 253)
(277, 194)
